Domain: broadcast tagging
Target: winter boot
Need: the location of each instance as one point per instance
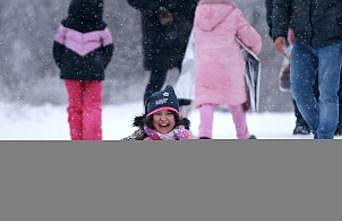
(204, 138)
(252, 137)
(301, 129)
(338, 131)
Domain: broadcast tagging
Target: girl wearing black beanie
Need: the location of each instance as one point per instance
(83, 47)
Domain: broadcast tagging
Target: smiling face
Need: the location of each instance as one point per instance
(164, 121)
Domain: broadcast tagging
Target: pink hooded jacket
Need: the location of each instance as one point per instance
(220, 66)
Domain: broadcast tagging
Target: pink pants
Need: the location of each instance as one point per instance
(206, 120)
(84, 109)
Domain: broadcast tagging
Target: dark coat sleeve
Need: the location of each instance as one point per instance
(190, 9)
(58, 51)
(142, 5)
(339, 16)
(107, 46)
(280, 18)
(58, 46)
(269, 9)
(107, 54)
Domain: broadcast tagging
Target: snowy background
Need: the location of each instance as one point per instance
(28, 74)
(33, 98)
(49, 122)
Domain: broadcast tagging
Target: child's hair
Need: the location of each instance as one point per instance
(148, 121)
(141, 121)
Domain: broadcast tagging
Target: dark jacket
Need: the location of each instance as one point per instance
(83, 45)
(269, 9)
(317, 23)
(164, 46)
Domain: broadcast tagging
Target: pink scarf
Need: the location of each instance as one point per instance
(178, 133)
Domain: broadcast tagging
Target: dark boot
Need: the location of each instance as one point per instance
(252, 137)
(204, 138)
(301, 129)
(338, 131)
(184, 102)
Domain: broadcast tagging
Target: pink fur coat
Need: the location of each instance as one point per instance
(220, 65)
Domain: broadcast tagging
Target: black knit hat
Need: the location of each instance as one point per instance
(85, 16)
(162, 100)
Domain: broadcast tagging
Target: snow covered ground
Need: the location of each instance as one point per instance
(23, 122)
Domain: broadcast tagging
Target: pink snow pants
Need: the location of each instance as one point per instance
(84, 109)
(206, 120)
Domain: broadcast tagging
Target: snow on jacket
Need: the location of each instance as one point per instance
(220, 65)
(269, 17)
(316, 23)
(83, 45)
(164, 46)
(82, 56)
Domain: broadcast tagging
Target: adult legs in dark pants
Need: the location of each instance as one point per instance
(156, 82)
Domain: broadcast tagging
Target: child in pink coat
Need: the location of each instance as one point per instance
(220, 66)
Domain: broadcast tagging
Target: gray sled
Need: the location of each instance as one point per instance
(252, 76)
